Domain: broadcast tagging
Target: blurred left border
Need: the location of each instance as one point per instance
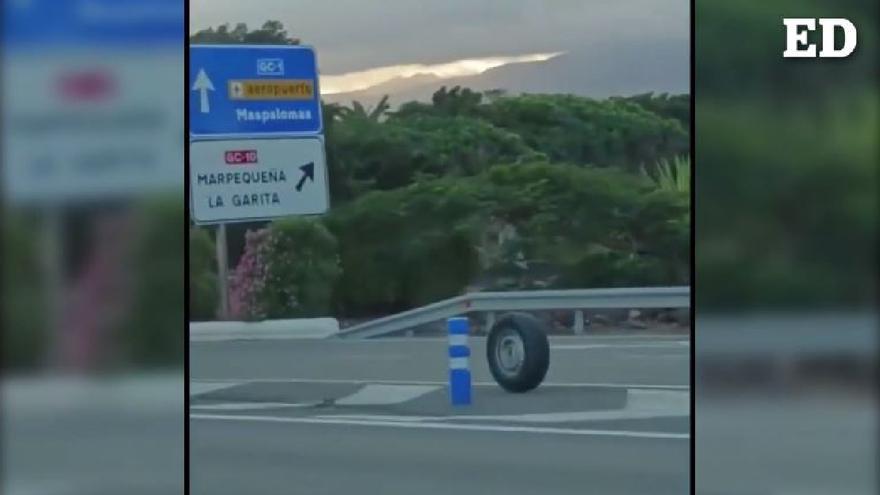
(94, 234)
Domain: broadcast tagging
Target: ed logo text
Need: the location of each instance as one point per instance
(798, 45)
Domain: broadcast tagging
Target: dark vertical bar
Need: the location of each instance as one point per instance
(186, 226)
(693, 147)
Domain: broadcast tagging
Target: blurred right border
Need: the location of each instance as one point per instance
(785, 210)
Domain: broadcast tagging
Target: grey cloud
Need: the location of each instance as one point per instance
(358, 34)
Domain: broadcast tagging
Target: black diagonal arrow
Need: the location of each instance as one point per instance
(308, 173)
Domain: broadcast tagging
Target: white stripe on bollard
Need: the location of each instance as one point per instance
(460, 363)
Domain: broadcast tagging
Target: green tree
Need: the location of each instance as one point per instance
(25, 328)
(153, 331)
(570, 216)
(424, 242)
(677, 107)
(358, 111)
(406, 247)
(271, 33)
(365, 154)
(449, 102)
(456, 101)
(302, 265)
(203, 288)
(581, 130)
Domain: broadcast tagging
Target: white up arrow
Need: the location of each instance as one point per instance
(203, 85)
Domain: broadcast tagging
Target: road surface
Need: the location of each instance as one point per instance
(343, 416)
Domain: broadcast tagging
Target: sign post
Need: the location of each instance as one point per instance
(256, 143)
(222, 269)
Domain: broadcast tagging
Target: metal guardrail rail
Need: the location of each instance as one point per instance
(491, 302)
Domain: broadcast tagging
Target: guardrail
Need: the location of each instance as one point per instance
(491, 302)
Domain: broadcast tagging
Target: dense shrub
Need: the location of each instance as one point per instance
(24, 335)
(153, 333)
(203, 283)
(575, 226)
(581, 130)
(406, 247)
(301, 268)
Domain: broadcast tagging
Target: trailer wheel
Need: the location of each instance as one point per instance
(518, 352)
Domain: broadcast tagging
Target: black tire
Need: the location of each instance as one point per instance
(535, 349)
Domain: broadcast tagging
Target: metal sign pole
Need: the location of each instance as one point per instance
(222, 270)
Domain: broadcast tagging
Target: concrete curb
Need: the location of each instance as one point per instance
(305, 328)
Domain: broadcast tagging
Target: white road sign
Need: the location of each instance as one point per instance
(92, 100)
(90, 126)
(257, 179)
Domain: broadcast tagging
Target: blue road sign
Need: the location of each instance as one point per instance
(50, 24)
(253, 91)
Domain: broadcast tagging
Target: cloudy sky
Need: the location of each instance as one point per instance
(361, 43)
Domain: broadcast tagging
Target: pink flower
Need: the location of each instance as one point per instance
(249, 277)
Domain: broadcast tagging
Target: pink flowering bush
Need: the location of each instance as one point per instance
(288, 270)
(246, 300)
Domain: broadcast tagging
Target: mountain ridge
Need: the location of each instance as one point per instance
(585, 72)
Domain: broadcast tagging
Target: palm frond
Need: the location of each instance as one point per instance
(671, 175)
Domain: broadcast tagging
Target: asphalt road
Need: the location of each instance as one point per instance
(659, 360)
(109, 435)
(241, 457)
(340, 417)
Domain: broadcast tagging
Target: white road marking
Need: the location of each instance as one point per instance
(439, 383)
(198, 387)
(247, 406)
(384, 394)
(640, 404)
(558, 417)
(642, 356)
(668, 345)
(658, 400)
(446, 426)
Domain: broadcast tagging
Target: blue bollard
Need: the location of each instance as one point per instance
(459, 369)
